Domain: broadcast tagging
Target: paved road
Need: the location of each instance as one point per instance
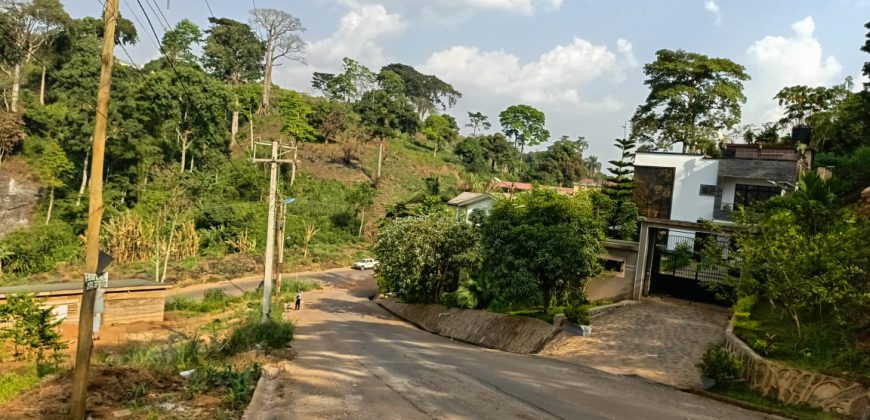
(355, 361)
(337, 277)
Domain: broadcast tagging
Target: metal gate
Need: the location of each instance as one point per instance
(681, 269)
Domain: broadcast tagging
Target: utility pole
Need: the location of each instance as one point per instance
(277, 152)
(281, 240)
(85, 344)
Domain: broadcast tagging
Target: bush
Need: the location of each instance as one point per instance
(214, 300)
(294, 285)
(239, 384)
(272, 334)
(718, 364)
(32, 331)
(39, 248)
(678, 258)
(578, 314)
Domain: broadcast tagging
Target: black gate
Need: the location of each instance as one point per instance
(691, 266)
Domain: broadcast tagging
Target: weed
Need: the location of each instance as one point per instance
(272, 334)
(17, 381)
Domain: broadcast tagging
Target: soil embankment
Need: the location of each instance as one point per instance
(516, 334)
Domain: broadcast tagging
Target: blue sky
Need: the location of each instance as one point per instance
(579, 61)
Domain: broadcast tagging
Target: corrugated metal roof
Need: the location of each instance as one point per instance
(76, 287)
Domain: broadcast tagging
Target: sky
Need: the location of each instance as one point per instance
(579, 61)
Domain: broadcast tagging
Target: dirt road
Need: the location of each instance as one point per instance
(356, 361)
(237, 287)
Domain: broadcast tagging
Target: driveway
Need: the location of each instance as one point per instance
(658, 339)
(356, 361)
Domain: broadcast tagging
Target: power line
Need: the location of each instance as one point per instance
(159, 13)
(209, 8)
(139, 21)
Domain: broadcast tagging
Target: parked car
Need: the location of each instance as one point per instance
(365, 264)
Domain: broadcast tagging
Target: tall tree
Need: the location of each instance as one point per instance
(347, 86)
(524, 125)
(562, 163)
(478, 121)
(178, 42)
(361, 198)
(692, 97)
(622, 221)
(440, 130)
(29, 26)
(294, 117)
(234, 54)
(280, 33)
(865, 70)
(386, 112)
(428, 93)
(52, 167)
(593, 165)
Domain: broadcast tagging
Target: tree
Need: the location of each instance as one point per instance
(386, 112)
(294, 112)
(440, 130)
(178, 43)
(471, 153)
(593, 166)
(361, 198)
(279, 33)
(332, 118)
(542, 245)
(428, 93)
(865, 70)
(502, 155)
(423, 257)
(692, 97)
(52, 167)
(562, 164)
(11, 133)
(478, 121)
(30, 26)
(234, 54)
(800, 102)
(347, 86)
(620, 188)
(768, 133)
(524, 125)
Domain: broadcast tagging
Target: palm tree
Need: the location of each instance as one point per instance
(593, 165)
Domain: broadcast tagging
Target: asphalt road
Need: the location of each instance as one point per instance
(336, 277)
(354, 360)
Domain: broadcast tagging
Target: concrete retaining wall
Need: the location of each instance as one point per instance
(516, 334)
(615, 285)
(796, 386)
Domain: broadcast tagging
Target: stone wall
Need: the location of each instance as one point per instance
(516, 334)
(796, 386)
(18, 195)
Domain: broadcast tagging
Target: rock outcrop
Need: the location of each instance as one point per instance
(18, 195)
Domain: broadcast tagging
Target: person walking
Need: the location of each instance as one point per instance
(299, 300)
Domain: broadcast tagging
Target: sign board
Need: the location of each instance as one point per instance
(93, 280)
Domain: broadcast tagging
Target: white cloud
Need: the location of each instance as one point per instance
(454, 11)
(553, 79)
(360, 34)
(711, 7)
(777, 62)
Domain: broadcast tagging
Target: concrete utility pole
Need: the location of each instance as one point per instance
(85, 344)
(274, 160)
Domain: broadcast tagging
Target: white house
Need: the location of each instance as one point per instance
(465, 203)
(692, 188)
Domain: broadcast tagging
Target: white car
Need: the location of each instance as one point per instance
(365, 264)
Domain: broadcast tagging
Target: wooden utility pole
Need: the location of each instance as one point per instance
(277, 152)
(280, 238)
(85, 344)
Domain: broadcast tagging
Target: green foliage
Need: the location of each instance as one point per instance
(15, 382)
(11, 133)
(214, 300)
(478, 121)
(852, 170)
(578, 314)
(428, 93)
(239, 384)
(31, 330)
(294, 116)
(52, 165)
(178, 43)
(717, 363)
(39, 248)
(348, 86)
(542, 244)
(425, 256)
(622, 221)
(561, 164)
(524, 125)
(290, 287)
(232, 51)
(691, 98)
(440, 130)
(272, 334)
(681, 256)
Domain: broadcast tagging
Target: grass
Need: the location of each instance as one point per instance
(740, 392)
(214, 300)
(534, 313)
(16, 381)
(825, 345)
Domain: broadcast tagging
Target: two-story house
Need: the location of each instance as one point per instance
(692, 188)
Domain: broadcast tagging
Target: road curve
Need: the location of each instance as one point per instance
(354, 360)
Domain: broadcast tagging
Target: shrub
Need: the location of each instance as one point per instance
(239, 384)
(294, 285)
(39, 248)
(214, 300)
(678, 258)
(578, 314)
(718, 364)
(32, 330)
(272, 334)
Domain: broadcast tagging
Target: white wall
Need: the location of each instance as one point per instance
(690, 172)
(485, 205)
